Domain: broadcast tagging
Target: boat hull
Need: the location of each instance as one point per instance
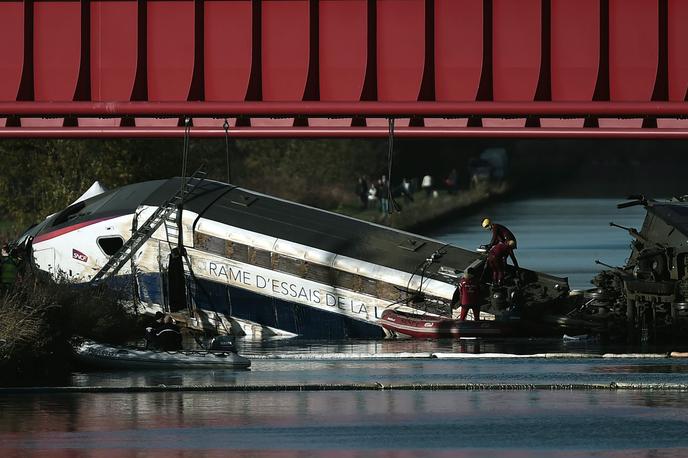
(435, 327)
(111, 357)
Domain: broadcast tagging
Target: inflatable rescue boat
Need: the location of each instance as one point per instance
(105, 356)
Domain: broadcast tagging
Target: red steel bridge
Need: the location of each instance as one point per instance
(344, 68)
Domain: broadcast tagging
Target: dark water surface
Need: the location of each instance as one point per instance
(559, 236)
(384, 424)
(562, 237)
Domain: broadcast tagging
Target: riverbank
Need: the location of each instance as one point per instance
(425, 212)
(40, 317)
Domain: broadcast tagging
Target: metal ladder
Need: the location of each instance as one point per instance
(143, 233)
(171, 227)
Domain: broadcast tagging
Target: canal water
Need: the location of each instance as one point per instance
(562, 237)
(505, 408)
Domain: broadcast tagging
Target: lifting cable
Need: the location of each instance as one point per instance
(226, 128)
(185, 155)
(390, 153)
(185, 160)
(190, 304)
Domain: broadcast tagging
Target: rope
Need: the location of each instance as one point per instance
(180, 209)
(423, 268)
(425, 264)
(134, 276)
(390, 153)
(185, 154)
(229, 312)
(413, 274)
(226, 127)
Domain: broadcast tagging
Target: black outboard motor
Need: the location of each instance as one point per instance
(222, 343)
(498, 298)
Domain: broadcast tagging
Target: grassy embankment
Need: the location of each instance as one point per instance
(7, 231)
(40, 318)
(425, 212)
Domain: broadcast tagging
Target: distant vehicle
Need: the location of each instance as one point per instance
(480, 172)
(498, 161)
(491, 166)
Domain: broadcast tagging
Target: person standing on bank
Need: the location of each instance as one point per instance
(467, 294)
(384, 195)
(499, 233)
(426, 185)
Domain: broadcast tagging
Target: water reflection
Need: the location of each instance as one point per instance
(644, 369)
(367, 423)
(556, 236)
(477, 371)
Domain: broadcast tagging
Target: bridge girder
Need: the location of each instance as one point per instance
(338, 68)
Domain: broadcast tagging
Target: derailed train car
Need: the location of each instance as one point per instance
(231, 260)
(647, 298)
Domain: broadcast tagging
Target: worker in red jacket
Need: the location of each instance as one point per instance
(468, 295)
(496, 259)
(499, 233)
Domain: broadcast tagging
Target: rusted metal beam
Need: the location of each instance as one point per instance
(344, 109)
(341, 132)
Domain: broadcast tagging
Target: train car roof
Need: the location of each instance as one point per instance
(277, 218)
(314, 227)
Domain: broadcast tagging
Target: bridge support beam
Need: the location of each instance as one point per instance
(342, 132)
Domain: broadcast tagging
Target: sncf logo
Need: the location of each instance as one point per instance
(79, 256)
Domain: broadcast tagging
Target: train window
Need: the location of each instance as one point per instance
(209, 243)
(321, 274)
(69, 213)
(288, 264)
(201, 240)
(349, 281)
(259, 257)
(388, 291)
(110, 245)
(369, 286)
(236, 251)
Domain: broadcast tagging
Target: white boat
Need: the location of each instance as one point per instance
(131, 358)
(253, 264)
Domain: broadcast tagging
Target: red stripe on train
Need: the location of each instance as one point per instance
(65, 230)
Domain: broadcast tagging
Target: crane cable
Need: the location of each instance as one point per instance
(225, 126)
(190, 304)
(185, 154)
(390, 153)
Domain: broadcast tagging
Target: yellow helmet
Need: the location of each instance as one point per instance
(486, 223)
